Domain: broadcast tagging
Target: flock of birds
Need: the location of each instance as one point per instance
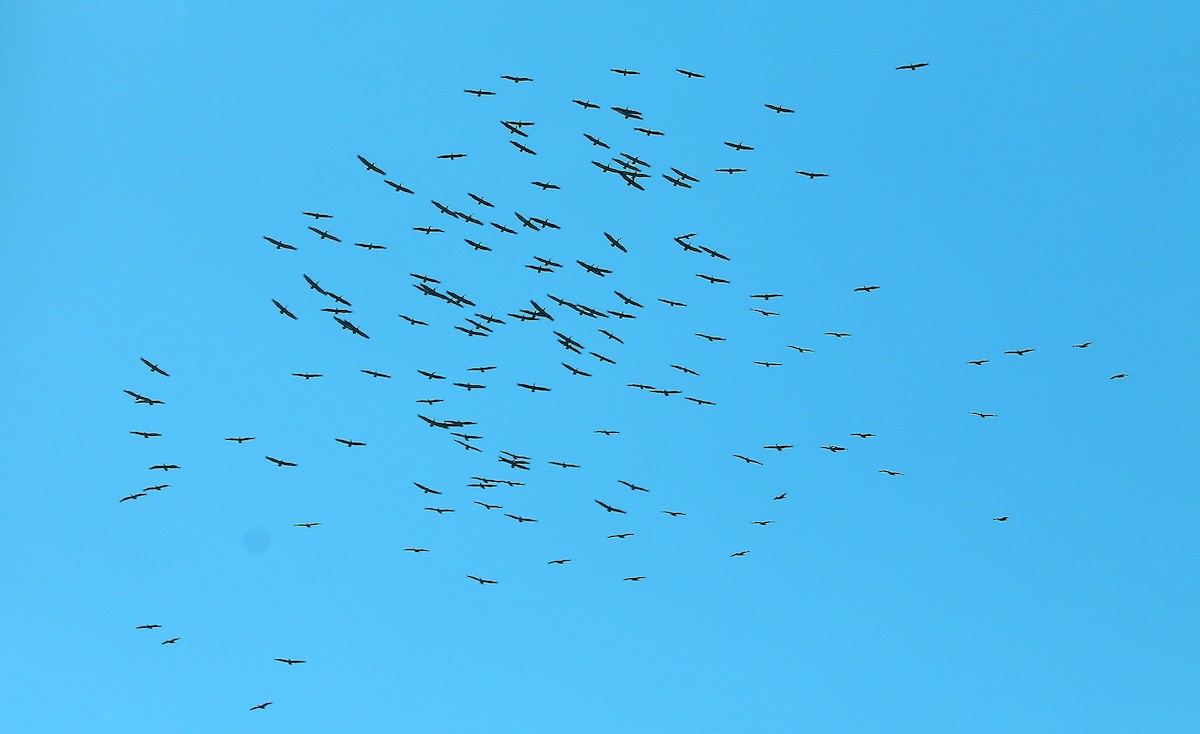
(633, 171)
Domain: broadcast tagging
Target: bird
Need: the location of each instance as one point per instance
(479, 92)
(520, 519)
(802, 350)
(325, 235)
(559, 561)
(279, 462)
(289, 661)
(305, 524)
(279, 245)
(609, 508)
(306, 375)
(240, 439)
(672, 513)
(633, 578)
(776, 108)
(165, 467)
(349, 442)
(171, 641)
(764, 313)
(812, 175)
(416, 550)
(633, 487)
(838, 334)
(866, 288)
(711, 338)
(373, 373)
(371, 166)
(738, 146)
(1019, 352)
(690, 74)
(763, 523)
(1084, 345)
(533, 388)
(132, 496)
(153, 367)
(142, 399)
(452, 156)
(481, 580)
(606, 433)
(778, 446)
(834, 449)
(739, 553)
(625, 72)
(283, 310)
(1118, 376)
(769, 364)
(317, 215)
(685, 370)
(977, 362)
(146, 434)
(891, 473)
(148, 626)
(730, 171)
(747, 459)
(369, 246)
(621, 536)
(399, 187)
(983, 415)
(672, 304)
(596, 141)
(1002, 518)
(516, 79)
(863, 435)
(486, 506)
(780, 496)
(263, 706)
(912, 67)
(698, 401)
(439, 510)
(766, 296)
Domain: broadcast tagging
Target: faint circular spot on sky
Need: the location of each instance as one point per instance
(256, 541)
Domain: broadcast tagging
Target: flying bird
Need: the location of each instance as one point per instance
(148, 626)
(325, 235)
(279, 245)
(371, 166)
(812, 175)
(866, 288)
(479, 92)
(1118, 376)
(776, 108)
(983, 415)
(690, 74)
(171, 641)
(262, 706)
(349, 443)
(912, 67)
(739, 553)
(305, 524)
(1085, 345)
(289, 661)
(516, 79)
(317, 215)
(283, 309)
(609, 508)
(1002, 518)
(153, 367)
(279, 462)
(738, 146)
(891, 473)
(240, 439)
(165, 467)
(481, 580)
(1019, 352)
(747, 459)
(145, 434)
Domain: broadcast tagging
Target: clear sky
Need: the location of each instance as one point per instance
(1033, 187)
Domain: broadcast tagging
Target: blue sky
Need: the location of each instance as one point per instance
(1030, 188)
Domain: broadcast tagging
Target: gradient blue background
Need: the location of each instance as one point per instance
(1033, 187)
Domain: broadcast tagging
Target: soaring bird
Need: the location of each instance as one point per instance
(1118, 376)
(153, 367)
(672, 513)
(747, 459)
(165, 467)
(279, 462)
(983, 415)
(621, 536)
(1019, 352)
(912, 67)
(148, 626)
(171, 641)
(305, 524)
(240, 439)
(146, 434)
(891, 473)
(977, 362)
(690, 74)
(739, 553)
(283, 309)
(263, 706)
(480, 580)
(371, 166)
(866, 288)
(1085, 345)
(559, 561)
(776, 108)
(1002, 518)
(609, 508)
(633, 578)
(289, 661)
(811, 175)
